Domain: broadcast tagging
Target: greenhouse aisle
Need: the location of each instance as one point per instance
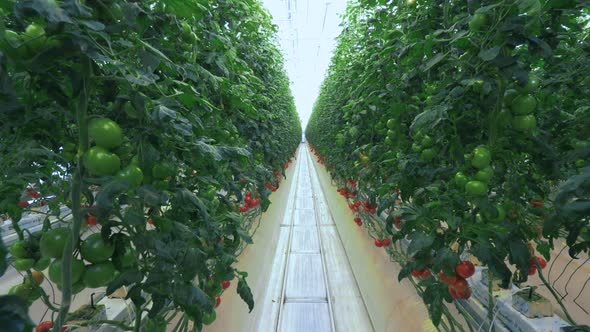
(311, 287)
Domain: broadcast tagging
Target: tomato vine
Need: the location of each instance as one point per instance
(152, 122)
(465, 121)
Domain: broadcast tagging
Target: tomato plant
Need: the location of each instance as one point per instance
(467, 111)
(144, 136)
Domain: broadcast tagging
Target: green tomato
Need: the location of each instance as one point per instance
(101, 162)
(481, 157)
(531, 85)
(509, 96)
(391, 124)
(428, 154)
(132, 174)
(99, 275)
(389, 141)
(127, 259)
(427, 141)
(105, 132)
(19, 249)
(53, 242)
(23, 264)
(209, 318)
(578, 145)
(477, 22)
(21, 290)
(485, 174)
(476, 188)
(55, 271)
(34, 38)
(416, 147)
(42, 264)
(391, 134)
(524, 122)
(523, 105)
(95, 250)
(461, 179)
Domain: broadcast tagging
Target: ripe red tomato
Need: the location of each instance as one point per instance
(425, 274)
(357, 220)
(541, 261)
(225, 284)
(23, 204)
(460, 285)
(217, 301)
(532, 270)
(465, 269)
(386, 242)
(91, 220)
(416, 273)
(378, 243)
(44, 326)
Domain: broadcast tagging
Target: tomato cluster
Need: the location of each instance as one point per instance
(475, 112)
(148, 121)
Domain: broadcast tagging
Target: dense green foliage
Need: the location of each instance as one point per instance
(152, 119)
(476, 112)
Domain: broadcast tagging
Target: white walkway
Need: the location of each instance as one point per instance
(311, 287)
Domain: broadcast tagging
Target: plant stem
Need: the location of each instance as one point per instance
(116, 323)
(67, 258)
(540, 273)
(491, 300)
(137, 324)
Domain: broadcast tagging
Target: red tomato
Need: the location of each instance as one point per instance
(217, 301)
(541, 261)
(425, 274)
(465, 269)
(23, 204)
(460, 285)
(386, 242)
(532, 270)
(91, 220)
(225, 284)
(416, 273)
(378, 243)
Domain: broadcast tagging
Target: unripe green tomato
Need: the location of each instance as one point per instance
(531, 85)
(42, 264)
(524, 122)
(427, 141)
(523, 105)
(481, 157)
(485, 174)
(461, 179)
(477, 22)
(509, 96)
(23, 264)
(476, 188)
(391, 124)
(428, 154)
(391, 134)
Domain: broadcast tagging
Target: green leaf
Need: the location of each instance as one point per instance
(46, 9)
(126, 278)
(433, 62)
(445, 260)
(429, 119)
(489, 54)
(245, 293)
(419, 241)
(14, 315)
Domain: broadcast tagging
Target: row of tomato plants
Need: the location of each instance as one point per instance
(468, 124)
(164, 126)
